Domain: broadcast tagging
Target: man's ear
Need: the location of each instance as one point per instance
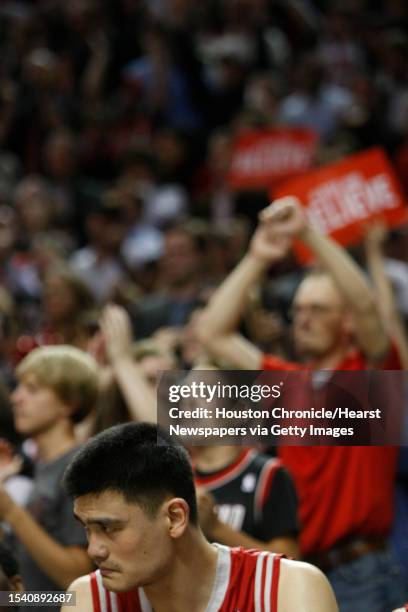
(16, 584)
(178, 516)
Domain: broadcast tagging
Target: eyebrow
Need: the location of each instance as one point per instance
(100, 521)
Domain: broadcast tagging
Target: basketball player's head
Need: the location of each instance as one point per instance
(134, 492)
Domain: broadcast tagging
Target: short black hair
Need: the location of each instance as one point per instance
(8, 562)
(137, 460)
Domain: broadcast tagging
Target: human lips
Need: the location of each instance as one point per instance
(107, 571)
(20, 416)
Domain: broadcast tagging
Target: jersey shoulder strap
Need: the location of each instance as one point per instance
(108, 601)
(254, 581)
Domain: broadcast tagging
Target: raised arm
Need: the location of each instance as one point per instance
(287, 218)
(62, 564)
(140, 399)
(374, 238)
(217, 324)
(281, 223)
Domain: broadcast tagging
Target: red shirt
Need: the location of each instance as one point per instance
(344, 491)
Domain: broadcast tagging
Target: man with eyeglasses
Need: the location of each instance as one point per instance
(345, 493)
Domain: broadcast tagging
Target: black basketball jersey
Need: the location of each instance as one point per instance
(254, 494)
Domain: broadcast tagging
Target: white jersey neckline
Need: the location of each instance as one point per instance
(220, 586)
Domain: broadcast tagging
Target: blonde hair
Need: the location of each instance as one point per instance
(72, 374)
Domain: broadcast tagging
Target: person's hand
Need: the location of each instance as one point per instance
(286, 216)
(375, 234)
(280, 222)
(117, 332)
(206, 512)
(169, 337)
(10, 463)
(267, 246)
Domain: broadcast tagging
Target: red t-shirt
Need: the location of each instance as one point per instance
(344, 491)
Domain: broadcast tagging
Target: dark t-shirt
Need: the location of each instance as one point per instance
(254, 494)
(51, 507)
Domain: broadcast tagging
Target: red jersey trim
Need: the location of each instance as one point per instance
(259, 583)
(266, 582)
(108, 601)
(228, 473)
(95, 593)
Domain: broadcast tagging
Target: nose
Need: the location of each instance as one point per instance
(97, 550)
(16, 395)
(302, 318)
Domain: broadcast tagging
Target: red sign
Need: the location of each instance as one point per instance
(341, 197)
(259, 158)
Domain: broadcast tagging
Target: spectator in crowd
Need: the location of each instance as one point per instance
(233, 511)
(374, 240)
(34, 207)
(152, 509)
(15, 469)
(143, 243)
(99, 263)
(57, 387)
(129, 382)
(8, 336)
(60, 163)
(67, 301)
(129, 377)
(181, 271)
(326, 337)
(162, 88)
(314, 103)
(66, 307)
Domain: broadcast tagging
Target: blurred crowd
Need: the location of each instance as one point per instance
(117, 121)
(116, 125)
